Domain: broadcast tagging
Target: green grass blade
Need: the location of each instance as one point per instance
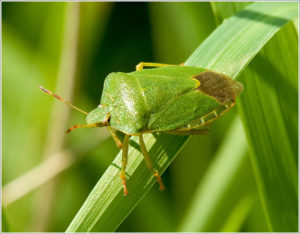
(256, 24)
(238, 215)
(224, 10)
(220, 174)
(270, 119)
(4, 221)
(106, 208)
(101, 211)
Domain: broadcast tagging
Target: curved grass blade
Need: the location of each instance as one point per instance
(220, 174)
(270, 119)
(100, 211)
(257, 23)
(5, 225)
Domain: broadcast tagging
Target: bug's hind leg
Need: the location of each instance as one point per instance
(141, 65)
(124, 163)
(149, 163)
(202, 131)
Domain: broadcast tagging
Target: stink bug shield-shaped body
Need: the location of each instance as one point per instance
(174, 99)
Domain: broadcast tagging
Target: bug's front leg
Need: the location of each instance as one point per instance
(124, 163)
(149, 163)
(94, 125)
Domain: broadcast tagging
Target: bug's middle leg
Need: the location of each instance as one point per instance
(149, 163)
(124, 163)
(114, 135)
(141, 65)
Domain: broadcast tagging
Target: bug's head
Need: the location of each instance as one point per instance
(98, 115)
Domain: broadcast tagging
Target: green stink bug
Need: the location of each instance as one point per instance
(152, 100)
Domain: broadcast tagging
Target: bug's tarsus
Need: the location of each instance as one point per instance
(159, 180)
(61, 99)
(149, 163)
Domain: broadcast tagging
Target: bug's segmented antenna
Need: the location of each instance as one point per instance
(61, 99)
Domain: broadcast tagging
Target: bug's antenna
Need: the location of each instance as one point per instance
(61, 99)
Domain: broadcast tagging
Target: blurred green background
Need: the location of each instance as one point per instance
(70, 48)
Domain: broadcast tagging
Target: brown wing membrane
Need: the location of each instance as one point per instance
(218, 86)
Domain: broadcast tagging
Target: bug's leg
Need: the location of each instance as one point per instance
(124, 163)
(94, 125)
(141, 65)
(149, 163)
(115, 137)
(203, 131)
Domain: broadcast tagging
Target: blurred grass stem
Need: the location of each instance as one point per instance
(51, 167)
(36, 177)
(65, 81)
